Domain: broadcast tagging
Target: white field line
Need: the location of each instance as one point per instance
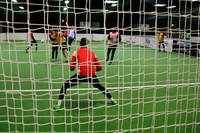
(112, 88)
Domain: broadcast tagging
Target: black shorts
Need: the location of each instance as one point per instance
(65, 46)
(76, 79)
(112, 46)
(34, 41)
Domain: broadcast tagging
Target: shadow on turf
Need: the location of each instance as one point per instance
(75, 102)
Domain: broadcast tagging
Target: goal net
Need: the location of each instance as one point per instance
(154, 75)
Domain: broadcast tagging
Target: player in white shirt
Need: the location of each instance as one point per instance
(113, 39)
(71, 36)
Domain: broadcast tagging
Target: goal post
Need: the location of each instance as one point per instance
(154, 74)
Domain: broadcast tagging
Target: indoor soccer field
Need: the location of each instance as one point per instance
(153, 80)
(156, 91)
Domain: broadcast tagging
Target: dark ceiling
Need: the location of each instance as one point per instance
(41, 14)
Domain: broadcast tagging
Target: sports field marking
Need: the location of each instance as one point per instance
(111, 88)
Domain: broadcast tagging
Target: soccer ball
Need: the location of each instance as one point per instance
(42, 40)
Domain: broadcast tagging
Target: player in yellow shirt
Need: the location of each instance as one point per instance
(161, 40)
(62, 41)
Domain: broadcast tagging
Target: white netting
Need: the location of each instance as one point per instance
(157, 90)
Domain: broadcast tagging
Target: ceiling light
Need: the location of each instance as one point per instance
(21, 7)
(111, 2)
(171, 6)
(14, 1)
(160, 5)
(67, 2)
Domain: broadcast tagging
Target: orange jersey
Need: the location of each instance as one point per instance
(87, 61)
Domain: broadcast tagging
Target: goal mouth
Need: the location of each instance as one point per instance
(141, 66)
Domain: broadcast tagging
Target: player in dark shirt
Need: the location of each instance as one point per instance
(55, 46)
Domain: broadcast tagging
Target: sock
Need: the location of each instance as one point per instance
(59, 102)
(112, 99)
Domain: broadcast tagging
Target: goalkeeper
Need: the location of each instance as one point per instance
(87, 61)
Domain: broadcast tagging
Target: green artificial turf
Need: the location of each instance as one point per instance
(157, 92)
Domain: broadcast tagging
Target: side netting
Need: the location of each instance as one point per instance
(156, 88)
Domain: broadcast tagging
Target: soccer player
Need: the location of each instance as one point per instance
(62, 41)
(71, 36)
(52, 37)
(114, 38)
(65, 34)
(32, 41)
(160, 36)
(88, 64)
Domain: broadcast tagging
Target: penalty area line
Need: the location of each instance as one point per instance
(111, 88)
